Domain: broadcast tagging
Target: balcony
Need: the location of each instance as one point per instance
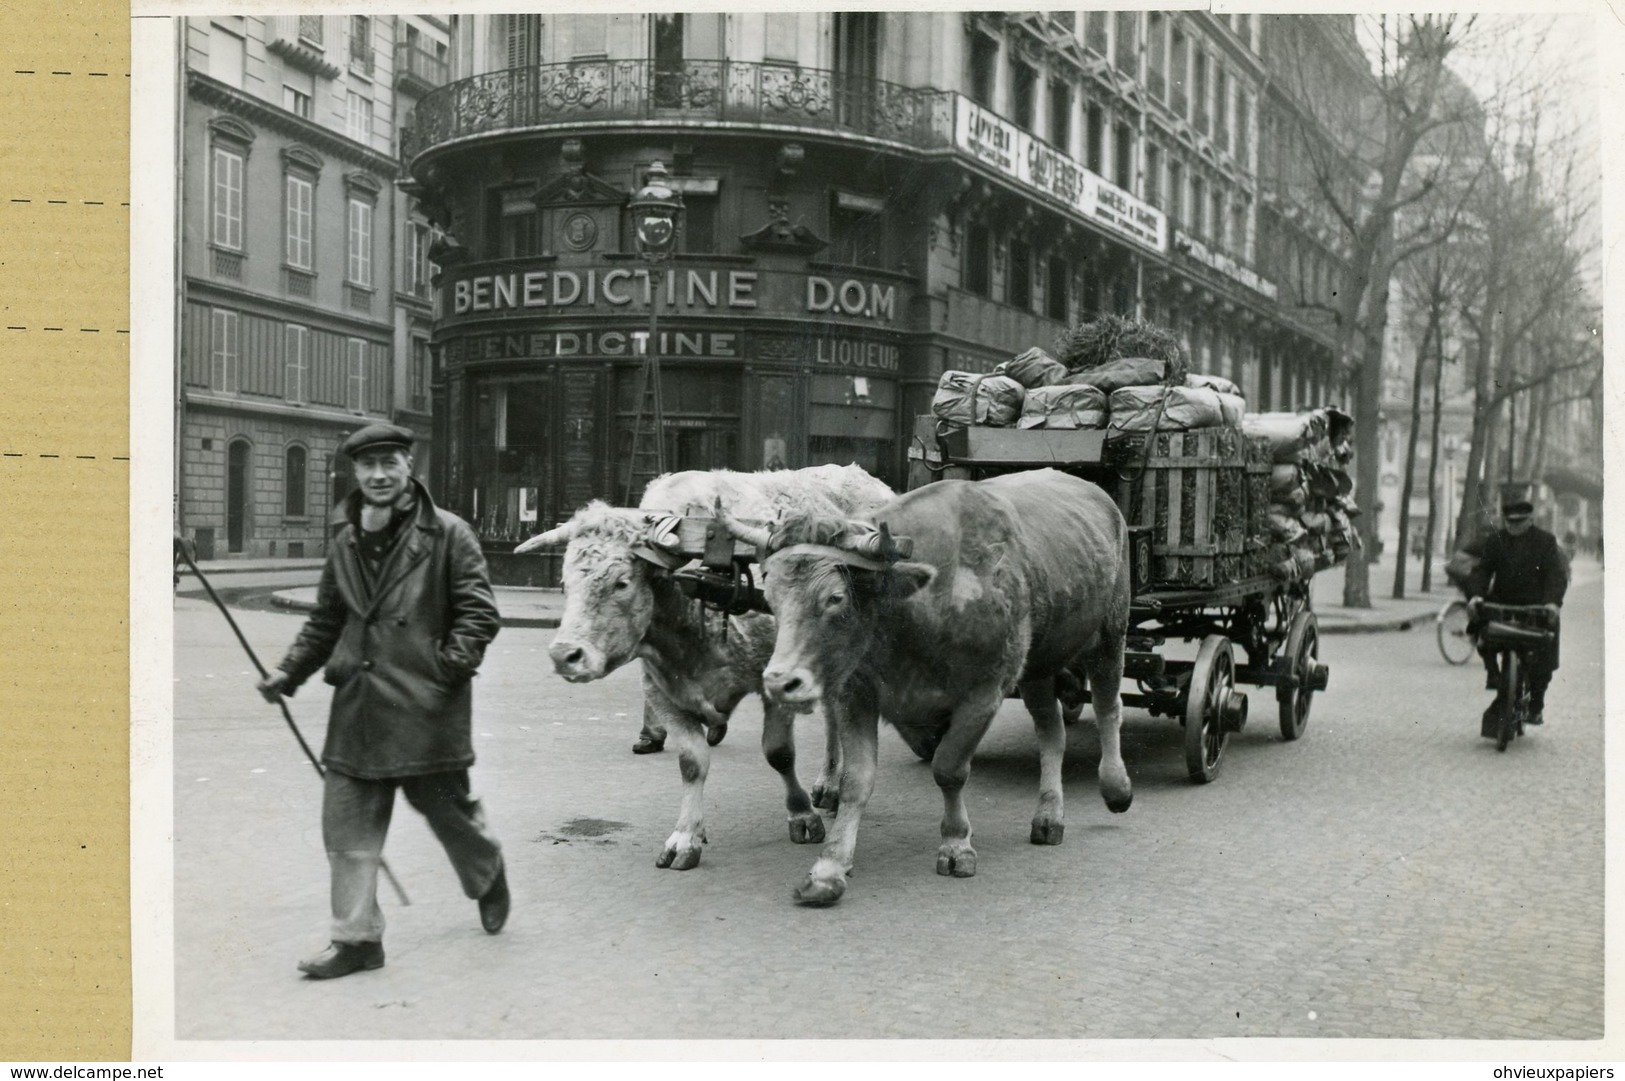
(418, 71)
(695, 91)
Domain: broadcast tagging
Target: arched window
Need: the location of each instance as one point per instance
(293, 497)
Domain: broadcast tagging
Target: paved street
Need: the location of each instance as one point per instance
(1389, 875)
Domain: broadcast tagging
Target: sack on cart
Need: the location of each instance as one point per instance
(1064, 407)
(967, 398)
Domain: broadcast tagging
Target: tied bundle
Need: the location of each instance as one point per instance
(1111, 337)
(1311, 508)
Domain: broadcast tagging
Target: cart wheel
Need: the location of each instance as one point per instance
(1297, 694)
(1213, 683)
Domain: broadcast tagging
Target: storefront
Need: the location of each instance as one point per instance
(762, 366)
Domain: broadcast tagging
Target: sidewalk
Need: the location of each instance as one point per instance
(522, 607)
(212, 567)
(519, 606)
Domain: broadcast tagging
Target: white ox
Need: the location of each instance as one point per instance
(1012, 581)
(620, 604)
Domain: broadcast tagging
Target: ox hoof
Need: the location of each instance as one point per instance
(826, 797)
(1047, 831)
(715, 734)
(1118, 803)
(679, 859)
(806, 829)
(956, 860)
(820, 891)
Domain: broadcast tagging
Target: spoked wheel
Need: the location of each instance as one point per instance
(1455, 644)
(1296, 693)
(1213, 708)
(1511, 708)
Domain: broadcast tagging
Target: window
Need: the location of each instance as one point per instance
(296, 102)
(1221, 109)
(586, 35)
(358, 120)
(1176, 192)
(1094, 31)
(1244, 108)
(361, 43)
(1156, 62)
(1095, 140)
(522, 37)
(419, 375)
(1178, 73)
(224, 350)
(1198, 206)
(419, 271)
(358, 267)
(1023, 88)
(1199, 92)
(1060, 280)
(512, 223)
(299, 210)
(1218, 217)
(1153, 175)
(296, 349)
(293, 492)
(1019, 287)
(1238, 228)
(1060, 115)
(857, 232)
(978, 274)
(1128, 60)
(1123, 157)
(228, 199)
(356, 375)
(699, 233)
(984, 53)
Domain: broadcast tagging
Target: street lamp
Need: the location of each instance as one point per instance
(657, 216)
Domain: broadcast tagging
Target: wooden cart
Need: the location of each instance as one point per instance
(1194, 503)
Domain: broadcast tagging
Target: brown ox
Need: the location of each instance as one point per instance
(621, 602)
(1011, 580)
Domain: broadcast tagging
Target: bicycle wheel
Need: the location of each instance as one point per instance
(1455, 644)
(1512, 690)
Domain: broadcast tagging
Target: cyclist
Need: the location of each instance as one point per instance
(1520, 564)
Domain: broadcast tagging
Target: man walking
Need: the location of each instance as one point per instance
(1521, 563)
(403, 615)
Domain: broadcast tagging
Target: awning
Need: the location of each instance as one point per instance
(1584, 484)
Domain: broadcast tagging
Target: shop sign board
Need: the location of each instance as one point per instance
(492, 291)
(1034, 164)
(1218, 261)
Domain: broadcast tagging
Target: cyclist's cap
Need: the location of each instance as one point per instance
(1518, 508)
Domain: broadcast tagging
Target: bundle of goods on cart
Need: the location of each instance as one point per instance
(1225, 494)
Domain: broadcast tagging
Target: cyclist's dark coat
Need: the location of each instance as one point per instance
(1530, 569)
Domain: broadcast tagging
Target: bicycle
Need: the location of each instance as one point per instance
(1452, 626)
(1514, 631)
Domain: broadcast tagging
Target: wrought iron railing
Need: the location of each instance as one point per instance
(717, 90)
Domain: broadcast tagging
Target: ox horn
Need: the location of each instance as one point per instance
(753, 535)
(551, 539)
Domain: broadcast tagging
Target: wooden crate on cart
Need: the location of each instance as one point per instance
(1203, 495)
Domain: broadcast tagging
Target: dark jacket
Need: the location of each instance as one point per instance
(401, 654)
(1530, 569)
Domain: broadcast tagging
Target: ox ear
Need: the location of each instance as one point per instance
(909, 578)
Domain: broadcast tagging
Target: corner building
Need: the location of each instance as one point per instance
(871, 198)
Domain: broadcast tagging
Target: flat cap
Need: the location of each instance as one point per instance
(375, 436)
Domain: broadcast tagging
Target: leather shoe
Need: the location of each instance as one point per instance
(1535, 717)
(494, 904)
(343, 958)
(714, 734)
(645, 745)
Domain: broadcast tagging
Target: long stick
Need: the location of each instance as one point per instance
(181, 549)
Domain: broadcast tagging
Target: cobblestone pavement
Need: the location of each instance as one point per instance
(1388, 876)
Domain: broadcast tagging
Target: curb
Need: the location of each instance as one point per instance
(294, 604)
(1377, 626)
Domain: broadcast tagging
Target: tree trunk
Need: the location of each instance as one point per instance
(1433, 458)
(1409, 484)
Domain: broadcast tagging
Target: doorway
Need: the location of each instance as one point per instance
(237, 488)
